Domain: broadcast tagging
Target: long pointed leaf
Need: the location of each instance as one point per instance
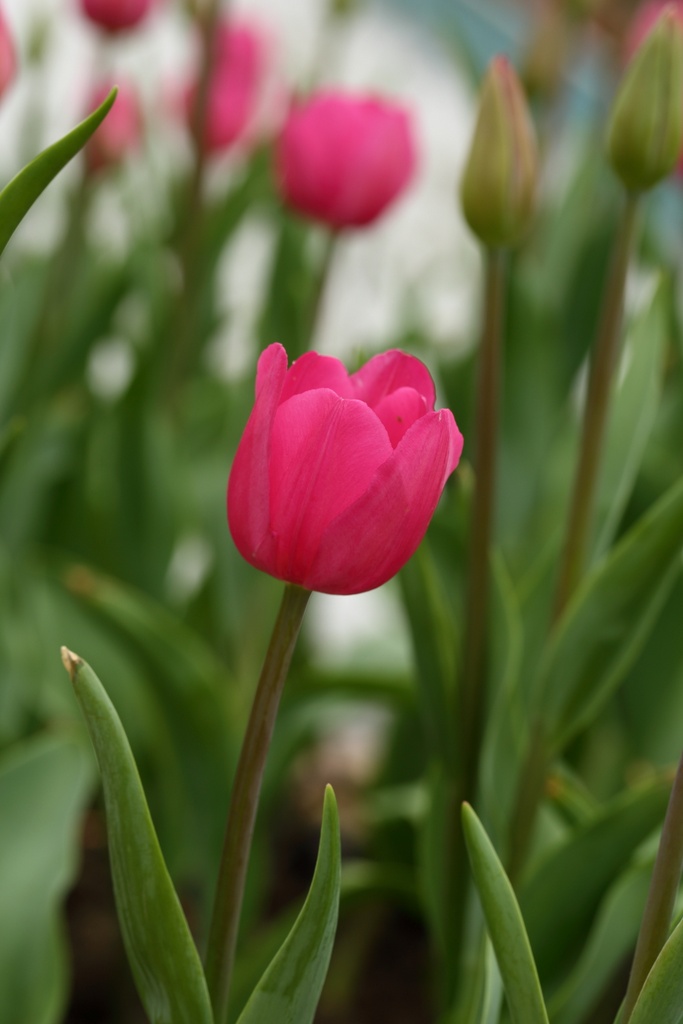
(289, 991)
(661, 997)
(17, 197)
(505, 926)
(162, 954)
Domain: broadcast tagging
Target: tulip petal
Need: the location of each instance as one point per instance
(399, 410)
(325, 452)
(249, 483)
(373, 538)
(390, 371)
(315, 371)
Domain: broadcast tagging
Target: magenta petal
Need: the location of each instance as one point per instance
(249, 483)
(390, 371)
(315, 371)
(373, 538)
(325, 451)
(399, 410)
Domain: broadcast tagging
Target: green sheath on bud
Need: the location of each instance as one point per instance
(645, 132)
(499, 185)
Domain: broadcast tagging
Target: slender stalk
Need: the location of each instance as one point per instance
(654, 928)
(189, 245)
(472, 683)
(244, 799)
(322, 285)
(601, 373)
(472, 689)
(602, 367)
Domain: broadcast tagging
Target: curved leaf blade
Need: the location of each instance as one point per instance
(45, 783)
(161, 952)
(610, 617)
(290, 989)
(505, 926)
(661, 997)
(19, 195)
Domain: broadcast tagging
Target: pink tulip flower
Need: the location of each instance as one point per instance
(8, 59)
(336, 477)
(235, 86)
(121, 131)
(116, 15)
(343, 159)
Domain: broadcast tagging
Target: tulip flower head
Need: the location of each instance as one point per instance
(337, 476)
(343, 159)
(120, 132)
(235, 87)
(8, 60)
(116, 15)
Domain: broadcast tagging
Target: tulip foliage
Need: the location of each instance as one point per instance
(502, 726)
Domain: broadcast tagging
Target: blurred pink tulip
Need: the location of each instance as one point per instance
(344, 159)
(235, 86)
(336, 477)
(116, 15)
(121, 131)
(8, 59)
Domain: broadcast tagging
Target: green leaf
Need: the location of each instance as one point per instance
(611, 940)
(44, 784)
(289, 991)
(162, 954)
(661, 997)
(574, 876)
(17, 197)
(505, 926)
(632, 414)
(610, 617)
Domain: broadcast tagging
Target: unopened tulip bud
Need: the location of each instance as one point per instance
(499, 185)
(645, 132)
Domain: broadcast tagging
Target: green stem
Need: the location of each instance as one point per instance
(654, 929)
(321, 286)
(472, 684)
(190, 242)
(603, 363)
(472, 690)
(244, 800)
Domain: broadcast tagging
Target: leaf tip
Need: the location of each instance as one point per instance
(71, 662)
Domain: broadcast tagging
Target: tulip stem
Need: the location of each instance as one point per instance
(472, 689)
(654, 928)
(321, 286)
(602, 366)
(472, 686)
(192, 220)
(603, 363)
(244, 800)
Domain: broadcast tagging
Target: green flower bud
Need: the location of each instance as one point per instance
(499, 184)
(645, 132)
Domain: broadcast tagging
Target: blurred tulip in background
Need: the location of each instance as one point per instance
(8, 60)
(116, 15)
(120, 133)
(344, 159)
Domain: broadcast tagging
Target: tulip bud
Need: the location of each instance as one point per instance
(645, 132)
(499, 184)
(116, 15)
(8, 62)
